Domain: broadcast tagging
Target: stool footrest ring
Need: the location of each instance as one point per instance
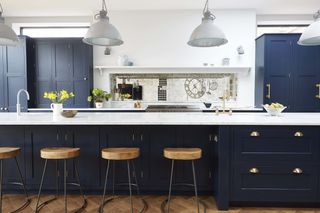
(145, 204)
(164, 203)
(82, 207)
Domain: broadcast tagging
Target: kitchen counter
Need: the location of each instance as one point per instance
(136, 118)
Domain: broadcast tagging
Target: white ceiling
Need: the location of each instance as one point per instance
(88, 7)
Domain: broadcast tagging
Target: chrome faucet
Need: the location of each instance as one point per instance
(18, 100)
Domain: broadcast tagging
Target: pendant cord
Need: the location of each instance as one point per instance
(207, 13)
(104, 5)
(316, 15)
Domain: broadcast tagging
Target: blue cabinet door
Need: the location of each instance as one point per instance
(63, 74)
(161, 137)
(199, 137)
(87, 139)
(13, 137)
(113, 137)
(39, 137)
(306, 78)
(16, 74)
(44, 56)
(82, 73)
(278, 83)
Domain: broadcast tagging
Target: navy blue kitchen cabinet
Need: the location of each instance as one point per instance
(274, 164)
(199, 137)
(89, 162)
(13, 136)
(38, 137)
(123, 136)
(85, 138)
(287, 73)
(16, 72)
(65, 63)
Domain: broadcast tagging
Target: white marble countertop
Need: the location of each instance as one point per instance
(136, 118)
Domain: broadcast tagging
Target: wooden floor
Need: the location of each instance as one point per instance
(179, 204)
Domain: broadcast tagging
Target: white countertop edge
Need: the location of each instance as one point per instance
(137, 118)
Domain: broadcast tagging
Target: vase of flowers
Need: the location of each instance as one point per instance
(57, 99)
(98, 96)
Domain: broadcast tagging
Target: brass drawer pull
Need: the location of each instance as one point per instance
(268, 95)
(318, 86)
(255, 134)
(297, 171)
(254, 171)
(298, 134)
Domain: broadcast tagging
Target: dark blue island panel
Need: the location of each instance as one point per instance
(241, 165)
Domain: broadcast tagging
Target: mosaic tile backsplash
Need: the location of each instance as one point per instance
(179, 87)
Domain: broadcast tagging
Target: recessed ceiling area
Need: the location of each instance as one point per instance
(88, 7)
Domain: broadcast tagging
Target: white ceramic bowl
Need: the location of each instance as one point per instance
(274, 111)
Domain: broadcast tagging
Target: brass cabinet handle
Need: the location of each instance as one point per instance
(254, 171)
(298, 134)
(318, 86)
(268, 95)
(255, 134)
(297, 171)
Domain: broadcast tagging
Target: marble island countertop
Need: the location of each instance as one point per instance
(136, 118)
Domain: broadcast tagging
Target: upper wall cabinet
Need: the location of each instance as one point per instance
(64, 64)
(16, 72)
(287, 73)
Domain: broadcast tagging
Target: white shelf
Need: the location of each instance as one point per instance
(173, 69)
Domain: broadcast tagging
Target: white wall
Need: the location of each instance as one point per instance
(158, 38)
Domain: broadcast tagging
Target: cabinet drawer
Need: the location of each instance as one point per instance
(275, 143)
(280, 183)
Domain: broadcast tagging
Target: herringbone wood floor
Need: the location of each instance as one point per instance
(179, 204)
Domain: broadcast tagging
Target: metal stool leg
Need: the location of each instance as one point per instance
(113, 176)
(85, 203)
(41, 183)
(27, 202)
(135, 177)
(170, 187)
(1, 176)
(195, 186)
(65, 186)
(130, 191)
(105, 188)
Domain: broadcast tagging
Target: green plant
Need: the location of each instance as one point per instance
(125, 96)
(58, 97)
(99, 95)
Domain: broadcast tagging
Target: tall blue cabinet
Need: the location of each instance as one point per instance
(287, 73)
(16, 72)
(63, 63)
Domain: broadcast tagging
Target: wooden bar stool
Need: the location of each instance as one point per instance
(184, 154)
(121, 154)
(6, 153)
(62, 153)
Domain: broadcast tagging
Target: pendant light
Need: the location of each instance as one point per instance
(7, 35)
(311, 36)
(102, 33)
(207, 34)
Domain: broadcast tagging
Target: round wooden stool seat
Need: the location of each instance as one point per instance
(9, 152)
(182, 153)
(59, 153)
(120, 153)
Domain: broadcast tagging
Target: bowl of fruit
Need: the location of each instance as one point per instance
(274, 109)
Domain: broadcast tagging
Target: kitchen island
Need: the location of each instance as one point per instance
(248, 158)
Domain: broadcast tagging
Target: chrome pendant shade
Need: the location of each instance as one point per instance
(311, 36)
(207, 34)
(102, 33)
(7, 36)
